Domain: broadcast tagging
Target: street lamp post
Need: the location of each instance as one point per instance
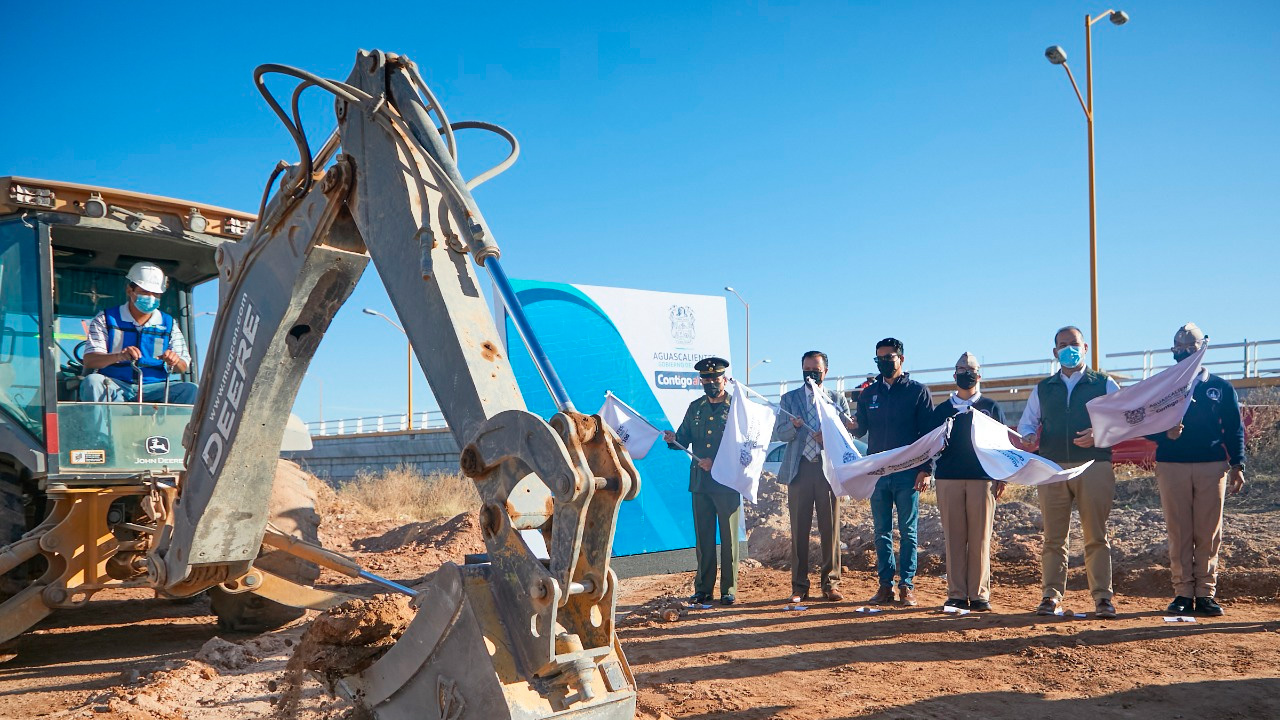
(765, 361)
(1056, 55)
(747, 362)
(371, 311)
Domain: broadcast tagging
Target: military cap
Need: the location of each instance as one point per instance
(711, 366)
(1189, 334)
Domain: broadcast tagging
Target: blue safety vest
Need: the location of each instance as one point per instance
(151, 340)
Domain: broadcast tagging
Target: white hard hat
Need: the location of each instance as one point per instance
(147, 276)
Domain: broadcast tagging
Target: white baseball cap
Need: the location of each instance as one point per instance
(147, 276)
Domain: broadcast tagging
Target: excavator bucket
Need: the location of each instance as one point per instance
(437, 668)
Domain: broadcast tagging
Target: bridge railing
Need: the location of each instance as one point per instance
(1231, 361)
(427, 420)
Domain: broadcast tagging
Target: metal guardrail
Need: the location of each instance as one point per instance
(428, 420)
(1246, 363)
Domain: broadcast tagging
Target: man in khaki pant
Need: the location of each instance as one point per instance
(966, 493)
(1056, 424)
(1196, 461)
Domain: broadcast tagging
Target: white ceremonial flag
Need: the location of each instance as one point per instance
(834, 436)
(857, 479)
(636, 433)
(1147, 407)
(1004, 462)
(740, 457)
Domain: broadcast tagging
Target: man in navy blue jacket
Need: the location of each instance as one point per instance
(894, 412)
(1197, 462)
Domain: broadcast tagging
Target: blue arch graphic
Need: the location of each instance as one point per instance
(591, 357)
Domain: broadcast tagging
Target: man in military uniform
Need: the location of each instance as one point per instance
(713, 503)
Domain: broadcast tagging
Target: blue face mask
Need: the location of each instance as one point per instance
(1070, 356)
(146, 303)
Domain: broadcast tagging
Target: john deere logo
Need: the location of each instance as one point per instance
(157, 445)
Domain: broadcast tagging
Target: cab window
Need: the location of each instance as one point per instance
(20, 359)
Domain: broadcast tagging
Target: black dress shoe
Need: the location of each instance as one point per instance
(980, 605)
(699, 599)
(728, 599)
(956, 603)
(1206, 606)
(1180, 606)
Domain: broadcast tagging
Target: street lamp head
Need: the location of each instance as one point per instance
(370, 311)
(1056, 54)
(727, 288)
(766, 361)
(1119, 17)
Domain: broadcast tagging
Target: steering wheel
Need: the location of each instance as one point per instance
(78, 351)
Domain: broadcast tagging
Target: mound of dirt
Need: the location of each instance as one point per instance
(666, 607)
(342, 641)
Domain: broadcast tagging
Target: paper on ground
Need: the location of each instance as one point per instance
(1180, 618)
(955, 610)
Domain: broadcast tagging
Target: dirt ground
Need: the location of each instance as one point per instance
(134, 657)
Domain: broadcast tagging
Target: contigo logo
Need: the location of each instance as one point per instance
(681, 323)
(671, 380)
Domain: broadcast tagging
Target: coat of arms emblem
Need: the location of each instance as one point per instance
(1133, 417)
(746, 450)
(681, 323)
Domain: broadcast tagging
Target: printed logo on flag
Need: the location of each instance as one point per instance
(752, 442)
(681, 323)
(1133, 417)
(623, 433)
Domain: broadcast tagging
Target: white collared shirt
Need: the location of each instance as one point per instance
(961, 403)
(1030, 419)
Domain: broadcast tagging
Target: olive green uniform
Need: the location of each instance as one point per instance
(713, 503)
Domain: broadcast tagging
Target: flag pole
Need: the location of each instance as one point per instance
(643, 419)
(777, 407)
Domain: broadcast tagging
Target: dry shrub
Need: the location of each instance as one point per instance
(1262, 438)
(404, 493)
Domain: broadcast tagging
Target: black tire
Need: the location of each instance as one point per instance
(13, 523)
(293, 511)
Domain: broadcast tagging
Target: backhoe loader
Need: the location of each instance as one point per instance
(508, 636)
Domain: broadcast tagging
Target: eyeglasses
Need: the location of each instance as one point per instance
(890, 357)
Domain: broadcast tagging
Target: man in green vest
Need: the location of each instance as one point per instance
(1056, 424)
(713, 503)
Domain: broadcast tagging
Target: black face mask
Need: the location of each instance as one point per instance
(886, 367)
(814, 375)
(1182, 355)
(711, 389)
(966, 380)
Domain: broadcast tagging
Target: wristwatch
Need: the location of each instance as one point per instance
(1239, 467)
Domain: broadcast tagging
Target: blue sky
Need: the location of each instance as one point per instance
(855, 170)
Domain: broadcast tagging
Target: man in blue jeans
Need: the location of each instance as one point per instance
(893, 412)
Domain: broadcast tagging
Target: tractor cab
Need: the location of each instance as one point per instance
(64, 252)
